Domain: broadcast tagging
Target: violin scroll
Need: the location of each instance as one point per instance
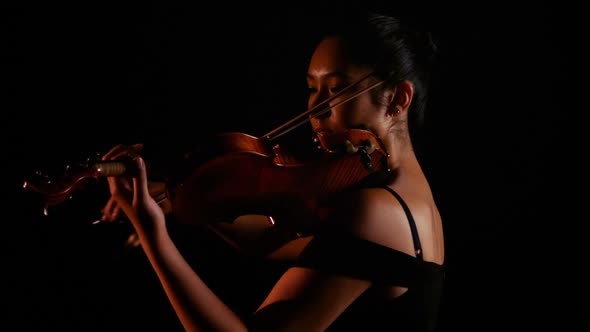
(57, 188)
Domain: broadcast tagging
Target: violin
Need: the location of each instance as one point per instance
(238, 174)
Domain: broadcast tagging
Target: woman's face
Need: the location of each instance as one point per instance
(329, 72)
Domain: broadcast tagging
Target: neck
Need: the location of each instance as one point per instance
(400, 149)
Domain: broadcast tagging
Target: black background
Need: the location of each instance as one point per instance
(80, 78)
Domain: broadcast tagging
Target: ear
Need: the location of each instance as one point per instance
(401, 98)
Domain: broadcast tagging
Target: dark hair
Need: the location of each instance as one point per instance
(395, 51)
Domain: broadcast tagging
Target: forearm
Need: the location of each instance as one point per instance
(197, 307)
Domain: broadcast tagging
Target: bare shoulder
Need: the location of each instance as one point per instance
(376, 215)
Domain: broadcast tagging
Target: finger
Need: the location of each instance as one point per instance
(106, 210)
(118, 193)
(115, 150)
(140, 183)
(116, 214)
(123, 150)
(111, 211)
(137, 147)
(131, 151)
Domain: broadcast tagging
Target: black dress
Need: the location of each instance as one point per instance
(416, 310)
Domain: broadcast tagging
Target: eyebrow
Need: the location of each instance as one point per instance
(336, 74)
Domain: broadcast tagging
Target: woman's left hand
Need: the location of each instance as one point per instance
(130, 193)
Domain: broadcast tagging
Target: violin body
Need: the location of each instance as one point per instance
(251, 176)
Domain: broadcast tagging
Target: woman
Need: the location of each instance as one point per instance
(376, 260)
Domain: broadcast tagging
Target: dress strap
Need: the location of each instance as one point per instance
(416, 238)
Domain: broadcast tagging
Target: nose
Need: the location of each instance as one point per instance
(324, 114)
(320, 111)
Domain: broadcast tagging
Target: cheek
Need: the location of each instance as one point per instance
(354, 113)
(347, 116)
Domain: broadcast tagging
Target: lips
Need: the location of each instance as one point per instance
(323, 131)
